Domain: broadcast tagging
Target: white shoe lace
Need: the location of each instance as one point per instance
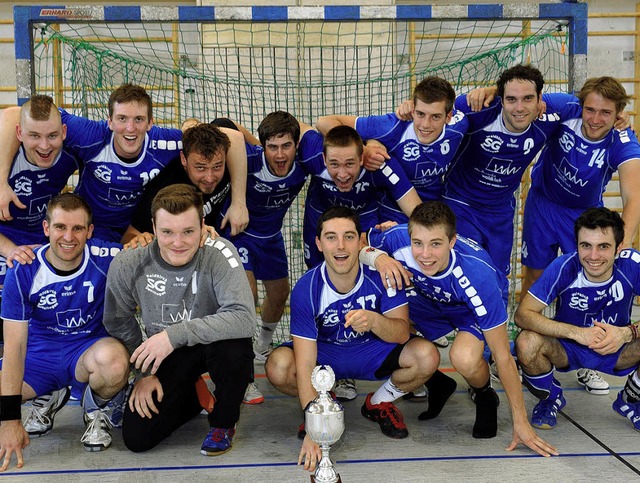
(592, 376)
(35, 415)
(99, 424)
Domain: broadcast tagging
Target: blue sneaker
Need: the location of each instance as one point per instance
(217, 441)
(545, 413)
(628, 410)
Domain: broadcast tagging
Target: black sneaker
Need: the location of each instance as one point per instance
(387, 415)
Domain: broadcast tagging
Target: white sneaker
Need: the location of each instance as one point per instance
(97, 436)
(592, 382)
(261, 352)
(253, 395)
(39, 418)
(345, 390)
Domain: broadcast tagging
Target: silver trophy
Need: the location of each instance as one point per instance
(324, 423)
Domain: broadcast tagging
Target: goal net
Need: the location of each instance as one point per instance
(245, 62)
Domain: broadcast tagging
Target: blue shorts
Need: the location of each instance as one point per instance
(433, 319)
(51, 365)
(547, 228)
(359, 361)
(492, 230)
(265, 257)
(582, 357)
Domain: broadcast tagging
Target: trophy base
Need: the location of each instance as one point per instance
(313, 479)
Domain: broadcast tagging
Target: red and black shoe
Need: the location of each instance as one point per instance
(387, 415)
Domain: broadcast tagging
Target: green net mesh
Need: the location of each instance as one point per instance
(245, 70)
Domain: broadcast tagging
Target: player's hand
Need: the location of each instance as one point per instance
(623, 121)
(13, 439)
(141, 399)
(374, 155)
(139, 241)
(404, 111)
(385, 225)
(392, 273)
(310, 454)
(22, 254)
(615, 337)
(237, 216)
(208, 232)
(361, 320)
(588, 336)
(526, 435)
(7, 196)
(151, 353)
(481, 97)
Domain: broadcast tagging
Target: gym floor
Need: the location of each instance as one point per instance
(594, 443)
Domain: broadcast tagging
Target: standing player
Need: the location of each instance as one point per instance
(197, 316)
(573, 172)
(502, 140)
(592, 325)
(457, 287)
(343, 316)
(54, 337)
(423, 146)
(339, 180)
(274, 180)
(203, 164)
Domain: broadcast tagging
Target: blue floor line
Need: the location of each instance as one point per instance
(338, 463)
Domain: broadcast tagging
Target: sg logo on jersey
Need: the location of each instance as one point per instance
(567, 142)
(411, 151)
(579, 301)
(103, 173)
(330, 318)
(492, 144)
(156, 284)
(48, 300)
(22, 186)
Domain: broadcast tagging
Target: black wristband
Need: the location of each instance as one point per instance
(10, 407)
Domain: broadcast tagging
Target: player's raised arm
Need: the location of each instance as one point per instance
(9, 145)
(327, 123)
(629, 175)
(237, 214)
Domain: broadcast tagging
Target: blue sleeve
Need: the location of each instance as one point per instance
(303, 323)
(392, 177)
(547, 288)
(387, 128)
(481, 118)
(310, 152)
(626, 147)
(629, 261)
(19, 308)
(566, 106)
(85, 137)
(254, 158)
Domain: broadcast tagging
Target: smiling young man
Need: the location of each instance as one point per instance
(54, 336)
(203, 164)
(338, 179)
(457, 287)
(198, 316)
(40, 170)
(594, 288)
(424, 146)
(342, 315)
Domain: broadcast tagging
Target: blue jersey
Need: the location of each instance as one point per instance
(268, 196)
(489, 165)
(113, 187)
(470, 280)
(318, 310)
(424, 164)
(35, 187)
(323, 193)
(581, 302)
(60, 307)
(573, 171)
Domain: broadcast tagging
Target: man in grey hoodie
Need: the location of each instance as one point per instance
(197, 315)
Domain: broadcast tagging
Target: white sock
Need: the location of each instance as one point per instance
(265, 334)
(388, 392)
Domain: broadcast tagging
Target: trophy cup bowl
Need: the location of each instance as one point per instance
(324, 423)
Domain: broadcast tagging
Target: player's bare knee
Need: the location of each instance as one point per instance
(422, 355)
(528, 346)
(279, 367)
